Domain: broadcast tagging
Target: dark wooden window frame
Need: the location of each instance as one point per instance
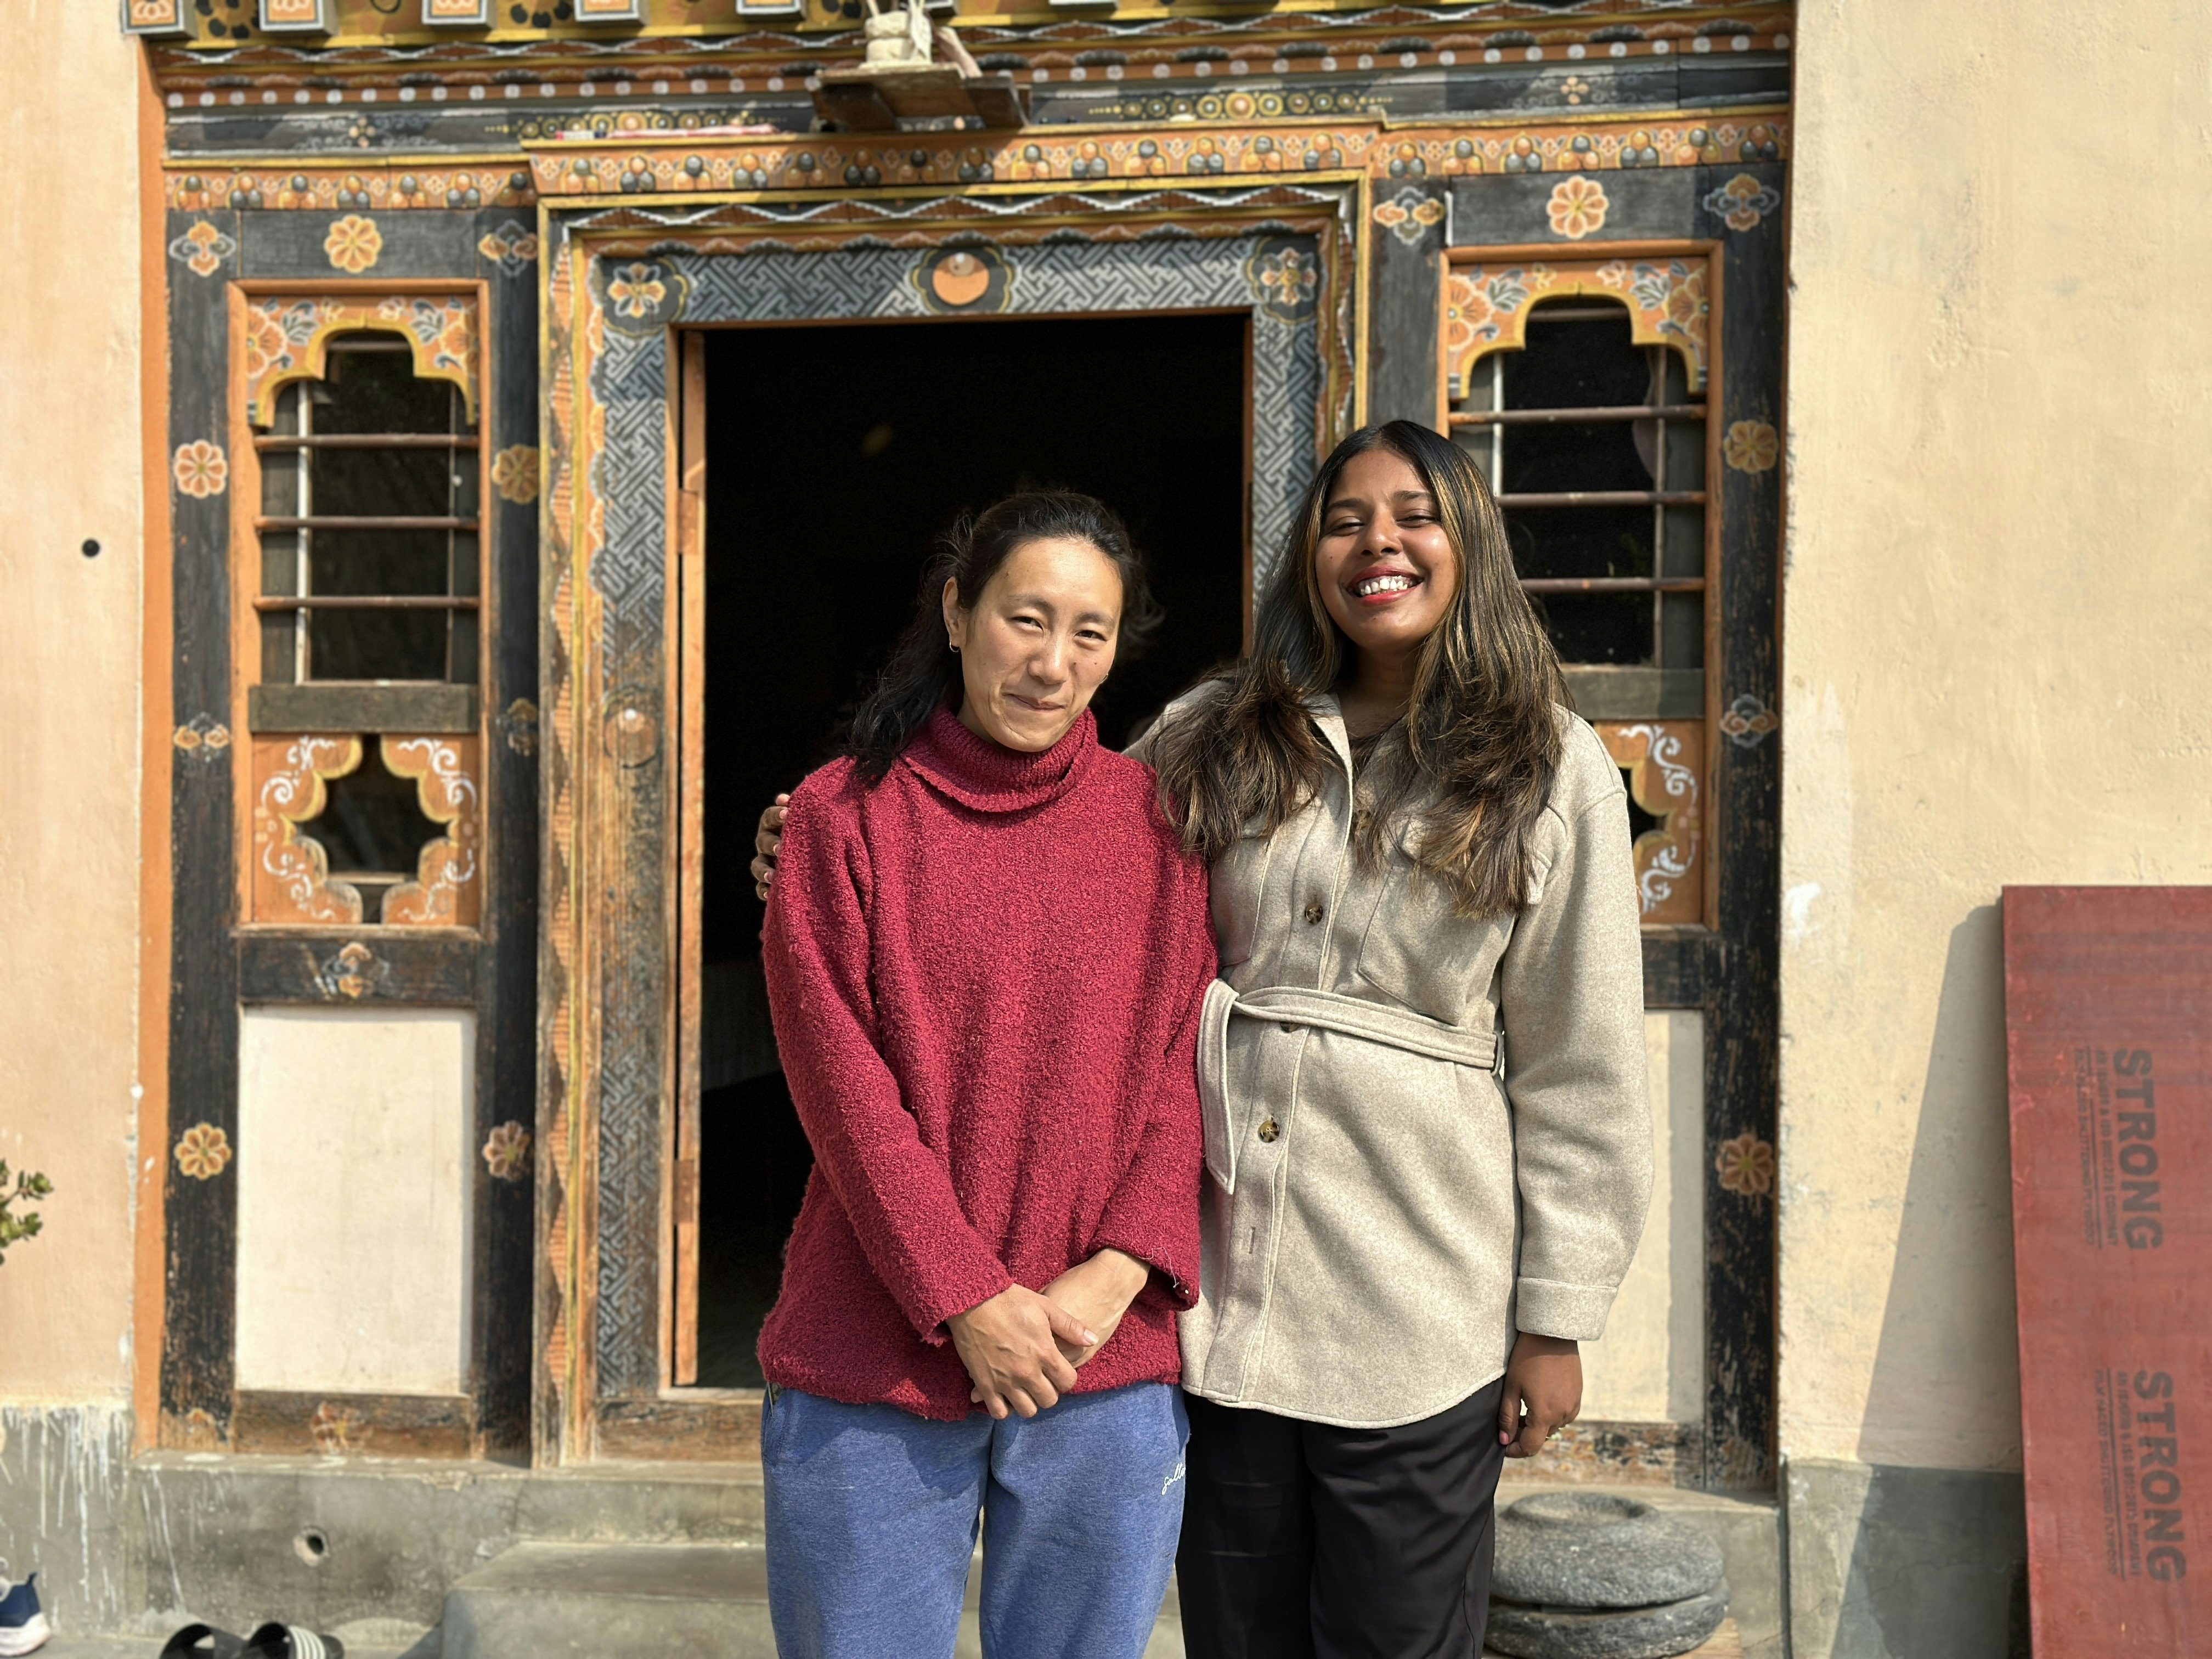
(222, 964)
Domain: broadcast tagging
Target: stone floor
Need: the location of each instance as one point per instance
(1724, 1645)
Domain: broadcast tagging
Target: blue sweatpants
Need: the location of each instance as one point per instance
(872, 1512)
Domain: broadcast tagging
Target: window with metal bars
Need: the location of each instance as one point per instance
(369, 595)
(1597, 454)
(370, 570)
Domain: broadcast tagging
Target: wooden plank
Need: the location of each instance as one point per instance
(338, 707)
(200, 1206)
(856, 107)
(725, 1430)
(1743, 873)
(1633, 694)
(426, 968)
(353, 1425)
(2108, 1041)
(691, 819)
(1675, 966)
(503, 1247)
(1406, 264)
(997, 101)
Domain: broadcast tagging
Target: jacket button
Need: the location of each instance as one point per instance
(1314, 913)
(1268, 1129)
(1289, 1027)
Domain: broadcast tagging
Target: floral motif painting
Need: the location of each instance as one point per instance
(514, 474)
(203, 249)
(507, 1153)
(1408, 214)
(1486, 307)
(1746, 1166)
(1751, 446)
(1743, 202)
(353, 244)
(287, 338)
(203, 1152)
(201, 469)
(1578, 207)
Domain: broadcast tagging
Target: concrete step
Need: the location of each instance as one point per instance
(653, 1602)
(594, 1600)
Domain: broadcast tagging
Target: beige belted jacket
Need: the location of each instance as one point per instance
(1390, 1196)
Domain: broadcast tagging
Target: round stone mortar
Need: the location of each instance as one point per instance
(1587, 1551)
(1621, 1633)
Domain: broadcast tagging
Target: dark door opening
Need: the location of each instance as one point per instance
(834, 455)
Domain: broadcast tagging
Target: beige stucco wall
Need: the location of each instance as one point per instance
(70, 649)
(1998, 637)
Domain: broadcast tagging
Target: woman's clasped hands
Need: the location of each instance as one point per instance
(1022, 1348)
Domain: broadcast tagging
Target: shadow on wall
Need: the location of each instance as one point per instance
(1892, 1560)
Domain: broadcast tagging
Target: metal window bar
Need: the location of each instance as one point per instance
(304, 522)
(1495, 417)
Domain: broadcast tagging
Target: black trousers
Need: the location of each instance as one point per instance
(1304, 1541)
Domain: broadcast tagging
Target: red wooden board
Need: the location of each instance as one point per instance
(2108, 1033)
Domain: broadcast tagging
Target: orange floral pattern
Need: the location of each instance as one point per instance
(1746, 1166)
(636, 290)
(514, 474)
(201, 469)
(508, 1152)
(1578, 207)
(203, 1152)
(353, 244)
(287, 338)
(1486, 307)
(1407, 214)
(203, 249)
(1743, 202)
(1751, 446)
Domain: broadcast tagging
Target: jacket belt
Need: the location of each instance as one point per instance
(1326, 1010)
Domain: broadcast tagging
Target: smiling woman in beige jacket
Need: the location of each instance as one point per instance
(1427, 1143)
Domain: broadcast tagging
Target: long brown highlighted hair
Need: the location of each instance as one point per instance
(1482, 739)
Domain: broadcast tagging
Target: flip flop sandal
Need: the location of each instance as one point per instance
(275, 1641)
(203, 1642)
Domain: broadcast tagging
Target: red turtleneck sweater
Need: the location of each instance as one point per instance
(986, 973)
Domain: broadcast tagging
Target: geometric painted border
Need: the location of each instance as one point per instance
(620, 278)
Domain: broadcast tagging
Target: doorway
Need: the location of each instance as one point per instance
(834, 455)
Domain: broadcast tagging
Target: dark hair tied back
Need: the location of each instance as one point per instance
(923, 674)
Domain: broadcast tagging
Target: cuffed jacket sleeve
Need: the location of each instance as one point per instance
(1153, 1212)
(1572, 1000)
(898, 1191)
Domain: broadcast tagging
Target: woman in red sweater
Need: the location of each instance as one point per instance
(986, 955)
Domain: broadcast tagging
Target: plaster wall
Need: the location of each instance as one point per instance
(354, 1162)
(70, 649)
(1998, 612)
(1650, 1367)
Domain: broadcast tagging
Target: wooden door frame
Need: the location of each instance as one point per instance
(619, 1179)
